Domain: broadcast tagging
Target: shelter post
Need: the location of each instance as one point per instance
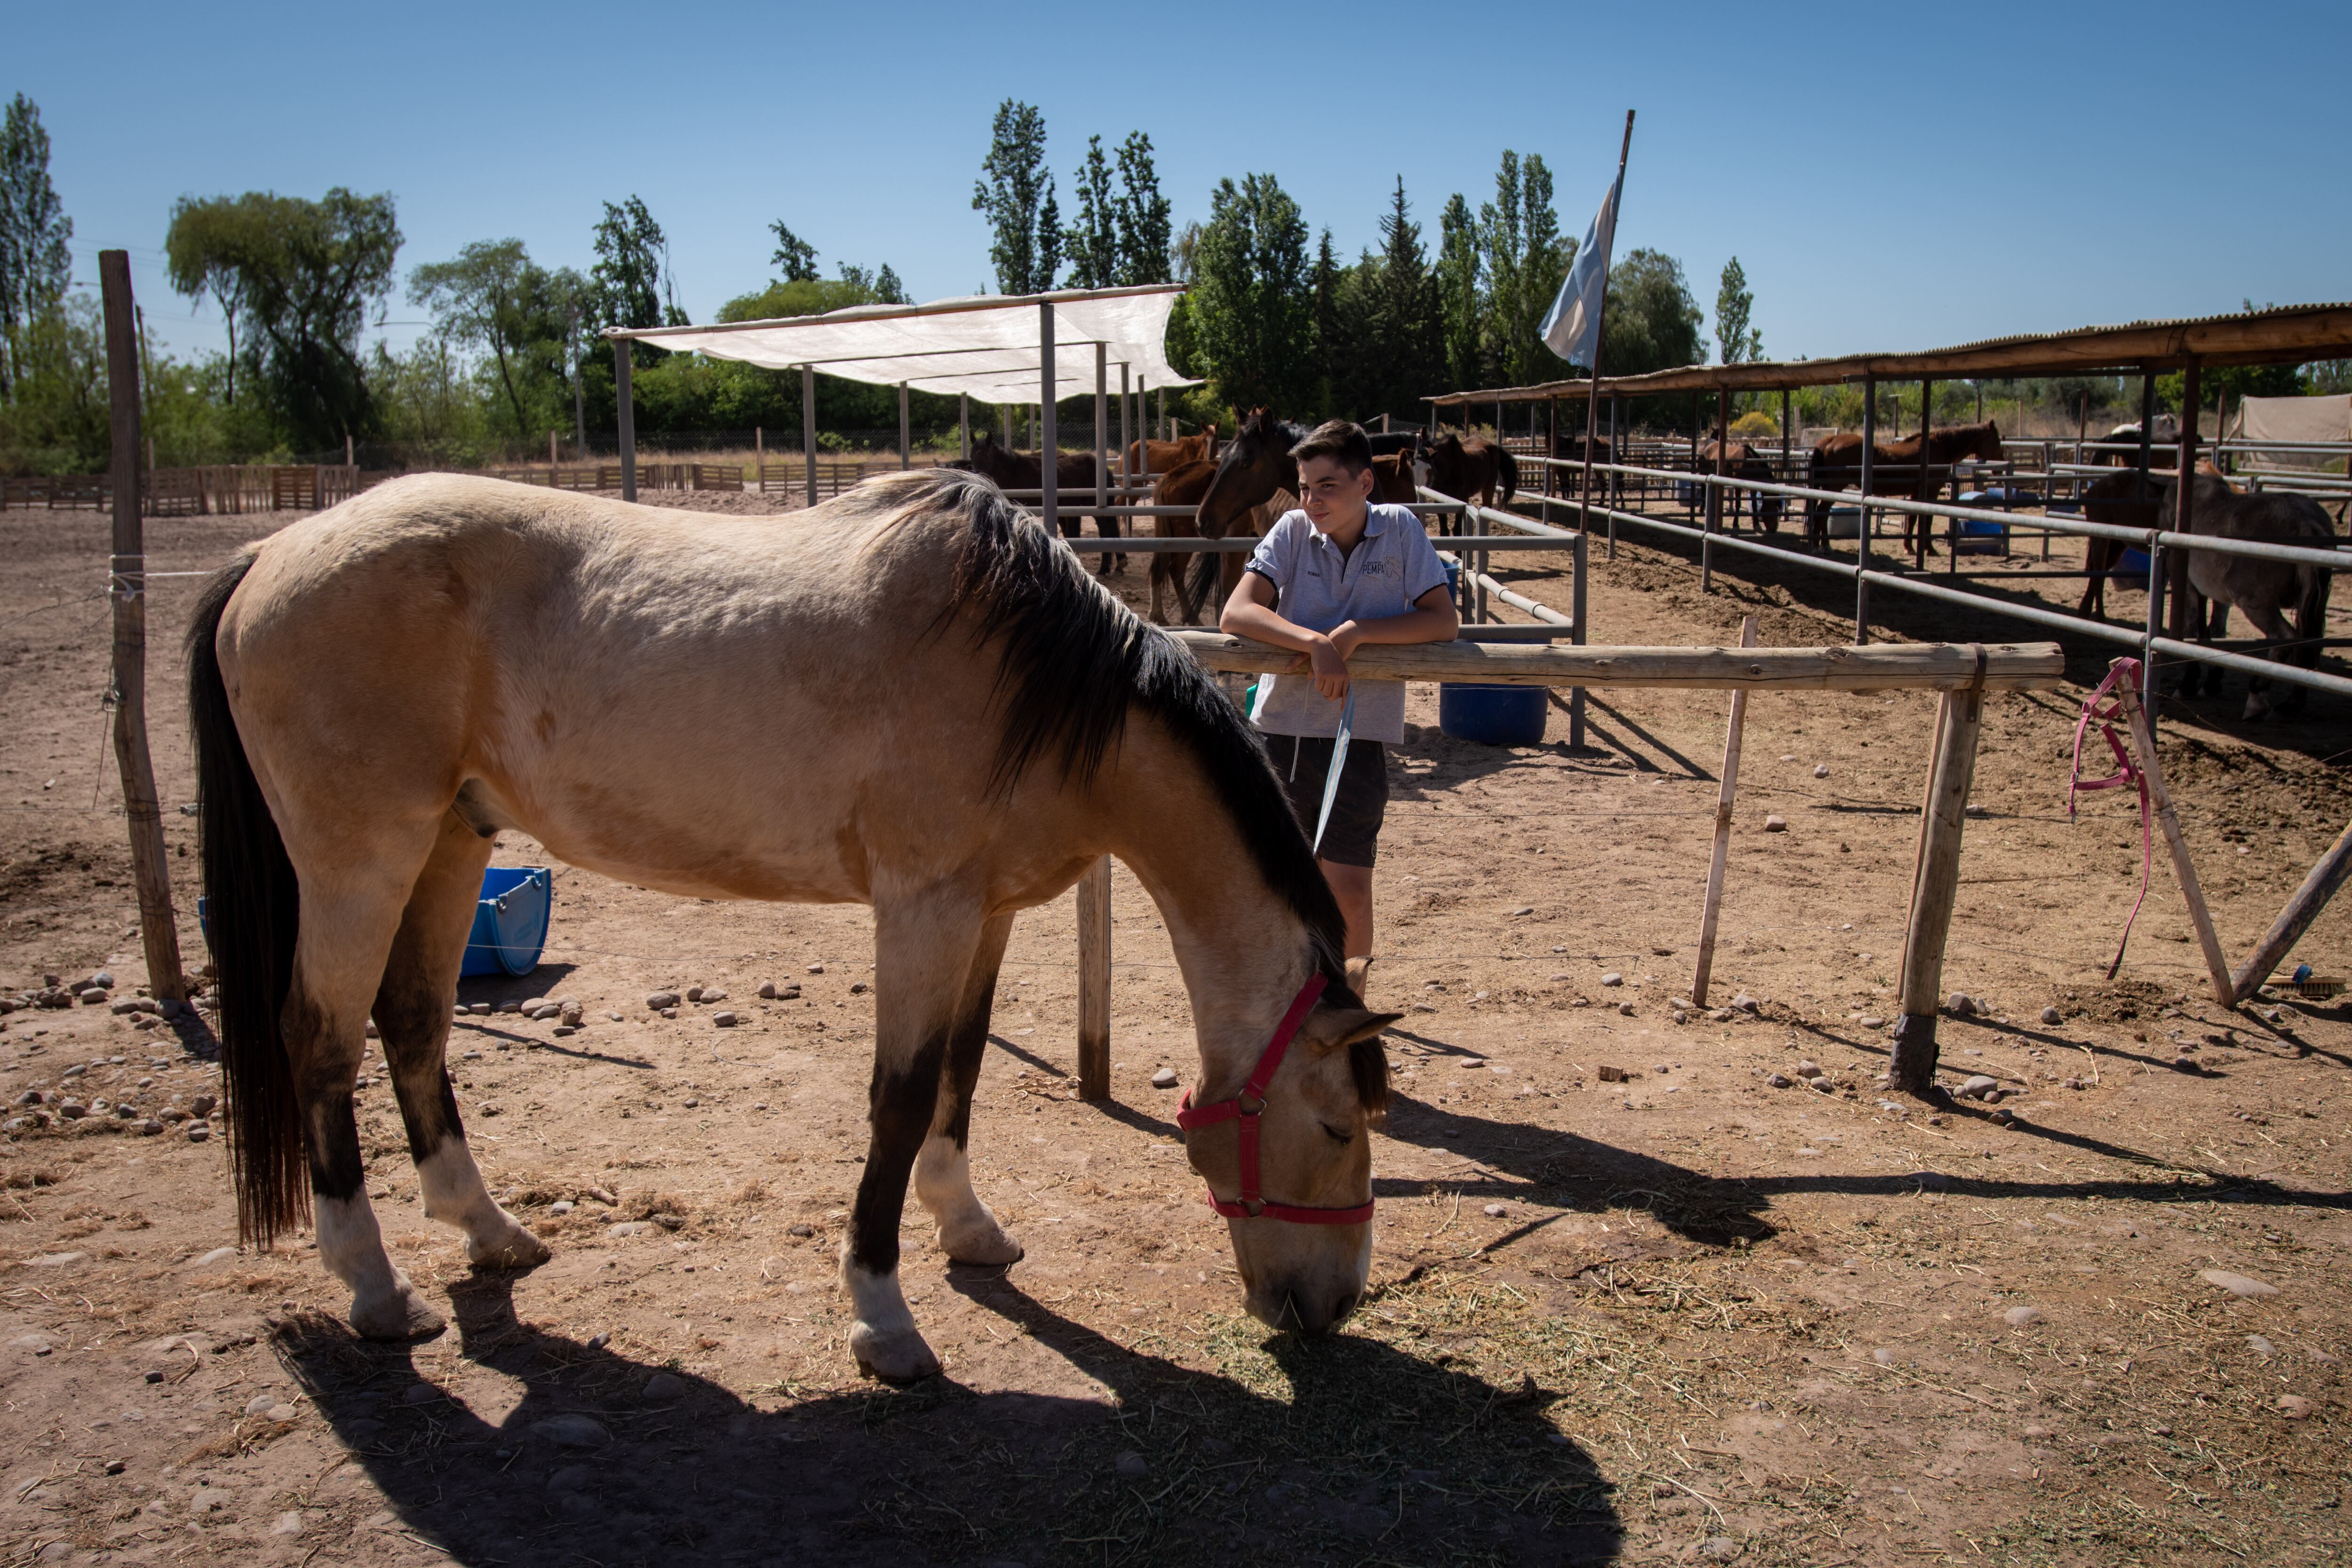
(963, 425)
(1862, 540)
(808, 428)
(1788, 442)
(1104, 521)
(906, 444)
(1094, 980)
(127, 586)
(1048, 447)
(1935, 886)
(1166, 433)
(1725, 790)
(626, 408)
(2155, 587)
(1576, 634)
(1125, 437)
(2186, 606)
(1924, 537)
(1698, 401)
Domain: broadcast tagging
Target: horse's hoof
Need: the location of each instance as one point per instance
(983, 1247)
(903, 1356)
(400, 1315)
(518, 1248)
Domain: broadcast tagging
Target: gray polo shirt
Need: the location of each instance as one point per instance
(1393, 565)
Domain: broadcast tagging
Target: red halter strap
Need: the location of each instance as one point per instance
(1254, 1204)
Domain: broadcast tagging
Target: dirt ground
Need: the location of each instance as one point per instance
(1688, 1316)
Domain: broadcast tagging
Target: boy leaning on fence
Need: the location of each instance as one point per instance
(1328, 578)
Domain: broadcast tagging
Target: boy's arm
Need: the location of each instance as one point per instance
(1433, 618)
(1250, 613)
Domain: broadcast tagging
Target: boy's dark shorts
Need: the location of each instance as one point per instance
(1304, 763)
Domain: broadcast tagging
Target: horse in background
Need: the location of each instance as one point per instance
(1741, 461)
(1185, 578)
(1837, 466)
(1473, 468)
(1073, 477)
(1147, 458)
(2111, 498)
(2262, 589)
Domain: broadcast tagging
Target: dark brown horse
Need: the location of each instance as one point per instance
(1473, 468)
(2111, 498)
(1188, 577)
(1895, 471)
(1154, 458)
(1255, 464)
(1742, 461)
(1073, 477)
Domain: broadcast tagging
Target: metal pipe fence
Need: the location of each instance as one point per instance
(2154, 542)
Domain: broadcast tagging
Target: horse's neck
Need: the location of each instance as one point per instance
(1242, 951)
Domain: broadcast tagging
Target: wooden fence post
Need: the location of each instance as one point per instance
(2184, 870)
(1094, 982)
(1724, 792)
(2295, 919)
(127, 586)
(1935, 888)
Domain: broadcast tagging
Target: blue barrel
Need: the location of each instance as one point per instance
(1492, 715)
(510, 923)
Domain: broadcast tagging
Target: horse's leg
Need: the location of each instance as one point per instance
(1158, 587)
(2271, 622)
(2098, 555)
(968, 1232)
(924, 940)
(350, 913)
(411, 1013)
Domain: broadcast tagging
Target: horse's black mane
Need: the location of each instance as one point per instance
(1073, 660)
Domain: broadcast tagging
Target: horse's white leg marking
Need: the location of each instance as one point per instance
(885, 1338)
(454, 1194)
(968, 1232)
(384, 1305)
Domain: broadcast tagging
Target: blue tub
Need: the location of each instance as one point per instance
(1492, 715)
(510, 923)
(2131, 571)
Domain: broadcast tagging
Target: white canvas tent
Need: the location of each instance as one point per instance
(1031, 348)
(2304, 421)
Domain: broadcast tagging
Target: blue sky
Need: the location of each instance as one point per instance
(1888, 183)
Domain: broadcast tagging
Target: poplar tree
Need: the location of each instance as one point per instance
(1733, 304)
(1146, 231)
(1017, 195)
(33, 228)
(1092, 242)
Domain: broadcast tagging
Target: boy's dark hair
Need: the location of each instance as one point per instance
(1341, 441)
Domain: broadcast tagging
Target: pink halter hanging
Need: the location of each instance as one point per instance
(2105, 707)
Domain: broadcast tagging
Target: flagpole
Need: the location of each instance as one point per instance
(1593, 400)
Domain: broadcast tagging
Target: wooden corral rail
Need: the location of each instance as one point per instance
(1963, 672)
(221, 489)
(1880, 666)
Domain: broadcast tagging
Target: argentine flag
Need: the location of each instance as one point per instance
(1572, 328)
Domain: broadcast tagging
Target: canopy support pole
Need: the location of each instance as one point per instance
(963, 425)
(627, 409)
(808, 427)
(1048, 468)
(906, 447)
(1104, 522)
(1125, 437)
(1869, 453)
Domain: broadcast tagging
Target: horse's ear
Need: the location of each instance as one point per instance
(1329, 1028)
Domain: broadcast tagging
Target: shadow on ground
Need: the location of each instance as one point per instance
(1333, 1450)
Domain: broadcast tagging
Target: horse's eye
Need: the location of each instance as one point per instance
(1339, 1135)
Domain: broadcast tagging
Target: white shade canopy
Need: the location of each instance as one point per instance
(986, 344)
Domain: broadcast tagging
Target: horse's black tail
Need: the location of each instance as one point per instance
(251, 909)
(1509, 466)
(2311, 613)
(1201, 585)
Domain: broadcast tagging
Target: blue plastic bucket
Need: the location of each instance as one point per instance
(1492, 715)
(1979, 537)
(510, 923)
(2131, 571)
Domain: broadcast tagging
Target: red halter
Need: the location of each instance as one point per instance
(1254, 1204)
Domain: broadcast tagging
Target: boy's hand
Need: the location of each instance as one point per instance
(1329, 666)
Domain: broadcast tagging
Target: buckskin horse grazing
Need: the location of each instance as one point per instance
(955, 720)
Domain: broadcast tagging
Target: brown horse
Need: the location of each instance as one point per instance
(1895, 471)
(1147, 458)
(1473, 468)
(1073, 477)
(1741, 461)
(2112, 498)
(1188, 577)
(954, 721)
(1255, 464)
